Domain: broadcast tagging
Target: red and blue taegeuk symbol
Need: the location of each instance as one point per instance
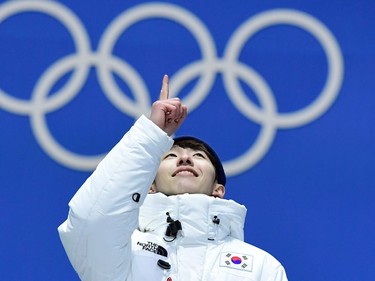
(236, 260)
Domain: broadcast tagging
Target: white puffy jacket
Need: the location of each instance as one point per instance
(108, 236)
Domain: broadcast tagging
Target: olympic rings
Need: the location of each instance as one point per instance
(207, 68)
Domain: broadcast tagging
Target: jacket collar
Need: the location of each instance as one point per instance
(196, 213)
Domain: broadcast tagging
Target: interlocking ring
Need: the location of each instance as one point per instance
(210, 65)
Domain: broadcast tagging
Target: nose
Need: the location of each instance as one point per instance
(185, 159)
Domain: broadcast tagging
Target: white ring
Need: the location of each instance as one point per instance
(321, 33)
(72, 23)
(173, 13)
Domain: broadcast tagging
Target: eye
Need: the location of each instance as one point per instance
(200, 155)
(170, 155)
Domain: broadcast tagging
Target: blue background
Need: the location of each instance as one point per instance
(310, 198)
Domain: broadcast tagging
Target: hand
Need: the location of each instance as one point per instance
(168, 113)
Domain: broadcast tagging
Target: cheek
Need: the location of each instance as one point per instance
(162, 172)
(165, 166)
(210, 172)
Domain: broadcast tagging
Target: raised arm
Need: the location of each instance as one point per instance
(104, 212)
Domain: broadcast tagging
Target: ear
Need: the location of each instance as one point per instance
(152, 188)
(218, 191)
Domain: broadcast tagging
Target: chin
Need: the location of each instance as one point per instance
(185, 190)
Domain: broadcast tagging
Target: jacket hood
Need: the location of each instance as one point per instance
(202, 217)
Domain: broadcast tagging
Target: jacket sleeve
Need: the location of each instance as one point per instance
(104, 212)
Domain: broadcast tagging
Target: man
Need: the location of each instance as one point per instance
(154, 211)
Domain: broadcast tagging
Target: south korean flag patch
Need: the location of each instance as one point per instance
(236, 261)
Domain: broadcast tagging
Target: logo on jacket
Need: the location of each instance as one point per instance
(236, 261)
(153, 247)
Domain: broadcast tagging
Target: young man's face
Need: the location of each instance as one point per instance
(184, 170)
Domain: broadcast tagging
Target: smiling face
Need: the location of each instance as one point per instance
(187, 170)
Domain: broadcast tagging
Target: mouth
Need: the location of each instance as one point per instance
(185, 172)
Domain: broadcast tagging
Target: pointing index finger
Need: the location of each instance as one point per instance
(164, 93)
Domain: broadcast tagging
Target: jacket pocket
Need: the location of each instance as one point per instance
(145, 266)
